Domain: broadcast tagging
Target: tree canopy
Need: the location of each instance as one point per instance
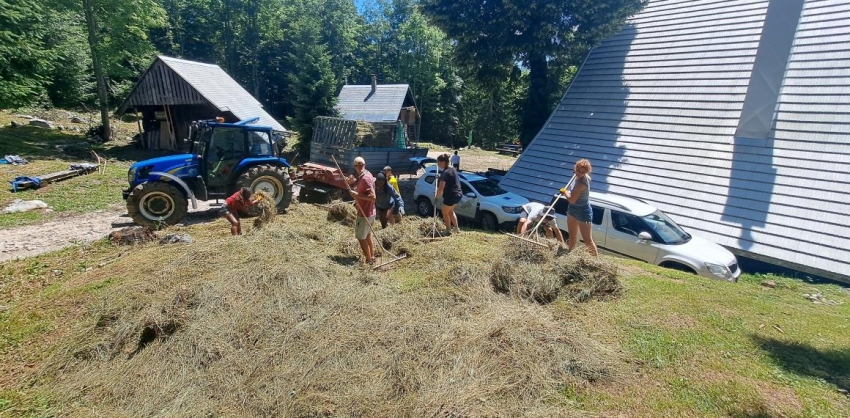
(492, 69)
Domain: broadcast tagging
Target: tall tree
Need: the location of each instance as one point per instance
(312, 81)
(119, 45)
(536, 33)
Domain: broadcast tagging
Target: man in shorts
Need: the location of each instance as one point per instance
(531, 214)
(364, 197)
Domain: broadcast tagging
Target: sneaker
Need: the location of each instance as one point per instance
(446, 232)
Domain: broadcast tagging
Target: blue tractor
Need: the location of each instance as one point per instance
(223, 157)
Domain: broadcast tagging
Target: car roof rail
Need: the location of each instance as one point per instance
(628, 196)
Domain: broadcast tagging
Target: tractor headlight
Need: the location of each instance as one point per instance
(131, 175)
(719, 270)
(512, 209)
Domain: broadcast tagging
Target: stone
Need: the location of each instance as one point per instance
(769, 283)
(76, 119)
(176, 238)
(41, 123)
(24, 116)
(14, 124)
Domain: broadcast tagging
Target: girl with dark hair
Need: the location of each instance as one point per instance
(449, 190)
(387, 200)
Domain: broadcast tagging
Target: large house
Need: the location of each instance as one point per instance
(733, 116)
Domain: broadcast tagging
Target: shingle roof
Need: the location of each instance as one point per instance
(208, 80)
(357, 102)
(689, 108)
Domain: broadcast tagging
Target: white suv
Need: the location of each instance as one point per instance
(633, 228)
(483, 200)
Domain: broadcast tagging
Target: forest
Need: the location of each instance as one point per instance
(487, 70)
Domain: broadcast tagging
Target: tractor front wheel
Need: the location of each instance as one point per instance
(156, 204)
(273, 181)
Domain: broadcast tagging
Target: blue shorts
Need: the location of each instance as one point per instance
(581, 214)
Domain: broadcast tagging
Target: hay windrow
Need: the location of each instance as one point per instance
(276, 323)
(343, 213)
(538, 274)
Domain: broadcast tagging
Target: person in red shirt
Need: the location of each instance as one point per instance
(235, 204)
(364, 197)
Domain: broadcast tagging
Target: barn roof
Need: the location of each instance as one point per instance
(174, 82)
(357, 102)
(731, 115)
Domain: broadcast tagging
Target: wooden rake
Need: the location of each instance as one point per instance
(372, 230)
(526, 236)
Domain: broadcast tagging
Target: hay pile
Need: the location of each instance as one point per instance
(344, 213)
(371, 135)
(251, 332)
(536, 273)
(267, 210)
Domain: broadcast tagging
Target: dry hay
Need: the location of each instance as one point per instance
(267, 210)
(371, 135)
(343, 213)
(536, 273)
(246, 333)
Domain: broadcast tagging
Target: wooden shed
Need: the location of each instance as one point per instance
(384, 106)
(173, 92)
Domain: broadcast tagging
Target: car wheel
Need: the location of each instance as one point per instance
(489, 222)
(424, 207)
(677, 266)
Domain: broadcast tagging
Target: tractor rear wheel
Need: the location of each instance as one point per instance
(156, 204)
(273, 181)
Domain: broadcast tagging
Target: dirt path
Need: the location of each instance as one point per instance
(74, 229)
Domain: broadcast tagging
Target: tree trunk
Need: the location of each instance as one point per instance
(94, 46)
(537, 107)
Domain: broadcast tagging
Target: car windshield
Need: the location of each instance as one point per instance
(666, 229)
(487, 187)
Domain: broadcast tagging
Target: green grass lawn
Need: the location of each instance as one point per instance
(51, 151)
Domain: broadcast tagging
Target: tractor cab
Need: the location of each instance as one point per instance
(223, 157)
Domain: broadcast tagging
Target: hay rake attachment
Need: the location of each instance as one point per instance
(372, 231)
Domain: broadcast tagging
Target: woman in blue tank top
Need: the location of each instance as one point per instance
(579, 213)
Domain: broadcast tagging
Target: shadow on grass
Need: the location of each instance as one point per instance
(39, 143)
(832, 366)
(344, 260)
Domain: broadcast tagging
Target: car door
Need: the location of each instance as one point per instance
(598, 227)
(623, 238)
(468, 204)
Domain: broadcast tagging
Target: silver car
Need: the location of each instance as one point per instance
(635, 229)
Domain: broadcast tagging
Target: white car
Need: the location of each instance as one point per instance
(630, 227)
(483, 200)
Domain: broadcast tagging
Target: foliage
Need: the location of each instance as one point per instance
(23, 58)
(545, 36)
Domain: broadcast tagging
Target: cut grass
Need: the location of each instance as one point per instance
(44, 149)
(277, 322)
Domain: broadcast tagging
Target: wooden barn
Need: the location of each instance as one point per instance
(174, 92)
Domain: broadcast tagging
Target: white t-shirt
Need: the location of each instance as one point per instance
(534, 209)
(455, 159)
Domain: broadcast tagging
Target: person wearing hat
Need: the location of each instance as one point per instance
(363, 193)
(398, 210)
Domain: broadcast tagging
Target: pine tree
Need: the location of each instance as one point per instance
(312, 81)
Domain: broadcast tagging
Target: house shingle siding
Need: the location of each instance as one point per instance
(657, 107)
